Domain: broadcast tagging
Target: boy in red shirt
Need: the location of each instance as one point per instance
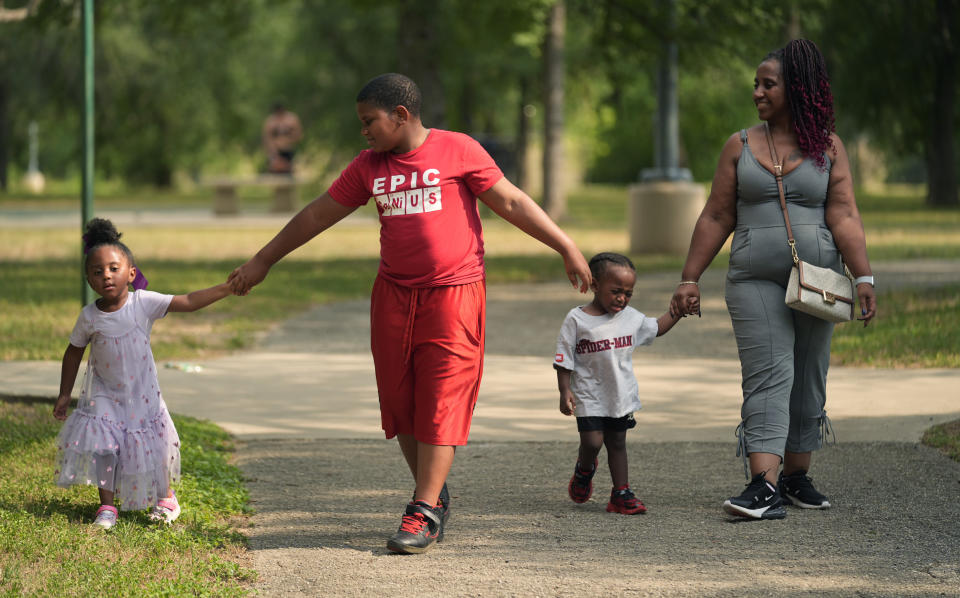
(427, 308)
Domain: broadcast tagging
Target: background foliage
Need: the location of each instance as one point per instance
(182, 87)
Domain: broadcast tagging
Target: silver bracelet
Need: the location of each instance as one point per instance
(864, 279)
(693, 282)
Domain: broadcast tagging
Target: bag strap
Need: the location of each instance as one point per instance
(778, 174)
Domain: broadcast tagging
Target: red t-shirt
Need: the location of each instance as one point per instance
(430, 233)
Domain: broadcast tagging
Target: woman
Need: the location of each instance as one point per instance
(784, 354)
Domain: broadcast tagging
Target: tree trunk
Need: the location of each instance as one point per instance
(941, 164)
(554, 199)
(417, 57)
(523, 136)
(4, 136)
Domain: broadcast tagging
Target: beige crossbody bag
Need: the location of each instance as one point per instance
(820, 292)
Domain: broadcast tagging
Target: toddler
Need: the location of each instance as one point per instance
(120, 437)
(595, 375)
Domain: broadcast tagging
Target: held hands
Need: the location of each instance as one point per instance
(247, 276)
(868, 302)
(567, 403)
(60, 407)
(685, 301)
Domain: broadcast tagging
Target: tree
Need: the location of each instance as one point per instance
(895, 76)
(554, 200)
(719, 45)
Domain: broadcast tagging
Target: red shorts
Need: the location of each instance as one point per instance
(428, 354)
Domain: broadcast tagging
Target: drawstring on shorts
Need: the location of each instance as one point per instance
(408, 330)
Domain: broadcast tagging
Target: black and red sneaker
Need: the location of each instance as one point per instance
(444, 503)
(421, 526)
(580, 487)
(622, 500)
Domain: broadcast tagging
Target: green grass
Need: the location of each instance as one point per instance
(49, 548)
(945, 437)
(40, 305)
(64, 195)
(38, 311)
(40, 282)
(914, 328)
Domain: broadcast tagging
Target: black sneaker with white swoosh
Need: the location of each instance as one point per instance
(760, 500)
(797, 490)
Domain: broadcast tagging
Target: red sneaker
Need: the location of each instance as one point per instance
(580, 487)
(623, 501)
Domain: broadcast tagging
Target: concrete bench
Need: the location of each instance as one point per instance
(225, 201)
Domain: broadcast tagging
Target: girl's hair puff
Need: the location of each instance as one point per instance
(807, 86)
(100, 232)
(600, 262)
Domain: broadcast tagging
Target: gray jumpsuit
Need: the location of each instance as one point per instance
(784, 354)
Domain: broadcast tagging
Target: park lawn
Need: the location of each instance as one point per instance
(914, 328)
(49, 548)
(41, 283)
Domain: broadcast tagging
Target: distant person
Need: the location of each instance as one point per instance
(428, 303)
(784, 354)
(120, 438)
(281, 134)
(594, 363)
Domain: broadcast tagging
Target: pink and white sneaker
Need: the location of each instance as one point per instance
(106, 517)
(166, 510)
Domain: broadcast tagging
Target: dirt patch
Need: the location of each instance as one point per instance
(326, 507)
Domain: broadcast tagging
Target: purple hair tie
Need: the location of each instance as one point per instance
(86, 244)
(140, 281)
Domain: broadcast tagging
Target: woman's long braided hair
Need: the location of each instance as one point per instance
(807, 85)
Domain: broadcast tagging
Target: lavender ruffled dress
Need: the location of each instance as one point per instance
(120, 437)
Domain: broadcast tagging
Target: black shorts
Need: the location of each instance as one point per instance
(606, 424)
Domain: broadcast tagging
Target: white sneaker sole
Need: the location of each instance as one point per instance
(764, 513)
(104, 523)
(796, 502)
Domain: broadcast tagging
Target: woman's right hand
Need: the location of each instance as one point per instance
(685, 301)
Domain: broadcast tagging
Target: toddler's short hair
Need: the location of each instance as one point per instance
(600, 262)
(390, 90)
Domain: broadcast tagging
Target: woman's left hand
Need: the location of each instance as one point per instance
(868, 302)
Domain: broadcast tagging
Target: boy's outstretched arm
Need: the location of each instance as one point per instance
(68, 375)
(316, 217)
(199, 299)
(516, 207)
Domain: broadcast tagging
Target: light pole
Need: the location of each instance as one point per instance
(665, 204)
(86, 294)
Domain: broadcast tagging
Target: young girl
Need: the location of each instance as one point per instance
(595, 375)
(120, 437)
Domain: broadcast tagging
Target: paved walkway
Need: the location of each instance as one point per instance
(327, 488)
